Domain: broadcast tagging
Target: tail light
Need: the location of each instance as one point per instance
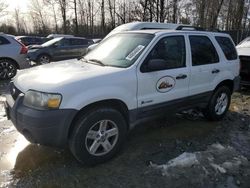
(24, 49)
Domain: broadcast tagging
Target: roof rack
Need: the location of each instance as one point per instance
(190, 28)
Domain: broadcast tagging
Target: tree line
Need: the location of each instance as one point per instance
(95, 18)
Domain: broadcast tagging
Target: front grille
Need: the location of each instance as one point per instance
(14, 91)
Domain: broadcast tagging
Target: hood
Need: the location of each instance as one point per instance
(243, 51)
(51, 77)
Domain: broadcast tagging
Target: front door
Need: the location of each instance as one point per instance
(167, 80)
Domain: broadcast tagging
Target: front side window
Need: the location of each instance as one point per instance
(227, 47)
(171, 51)
(120, 50)
(203, 51)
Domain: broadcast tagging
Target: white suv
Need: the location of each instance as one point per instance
(91, 104)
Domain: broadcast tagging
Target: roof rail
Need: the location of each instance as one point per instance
(190, 28)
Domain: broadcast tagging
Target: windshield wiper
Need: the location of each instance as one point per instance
(97, 61)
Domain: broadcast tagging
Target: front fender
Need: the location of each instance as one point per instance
(90, 96)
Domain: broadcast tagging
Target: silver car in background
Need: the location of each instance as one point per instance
(13, 56)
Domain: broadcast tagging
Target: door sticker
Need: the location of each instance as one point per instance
(165, 84)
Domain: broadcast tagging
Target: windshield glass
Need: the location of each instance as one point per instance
(120, 50)
(50, 42)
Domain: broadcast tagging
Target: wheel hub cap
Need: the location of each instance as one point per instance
(221, 104)
(101, 137)
(7, 70)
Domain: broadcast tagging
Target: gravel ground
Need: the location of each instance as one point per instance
(181, 151)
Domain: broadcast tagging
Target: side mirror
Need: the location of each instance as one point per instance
(155, 65)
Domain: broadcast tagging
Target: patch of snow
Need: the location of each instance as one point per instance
(217, 146)
(218, 168)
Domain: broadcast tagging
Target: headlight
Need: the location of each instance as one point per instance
(42, 101)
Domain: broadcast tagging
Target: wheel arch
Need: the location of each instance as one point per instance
(14, 61)
(229, 83)
(112, 103)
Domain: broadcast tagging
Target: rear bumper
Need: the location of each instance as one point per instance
(45, 127)
(23, 62)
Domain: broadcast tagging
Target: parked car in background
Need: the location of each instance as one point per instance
(32, 40)
(243, 49)
(59, 49)
(52, 36)
(13, 56)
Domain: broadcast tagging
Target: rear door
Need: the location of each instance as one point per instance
(157, 89)
(79, 47)
(205, 64)
(63, 50)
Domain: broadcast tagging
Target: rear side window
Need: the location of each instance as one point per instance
(4, 41)
(203, 51)
(227, 47)
(79, 42)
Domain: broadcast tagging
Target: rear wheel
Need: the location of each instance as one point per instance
(8, 69)
(44, 59)
(98, 136)
(219, 104)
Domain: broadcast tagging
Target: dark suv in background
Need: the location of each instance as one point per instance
(59, 49)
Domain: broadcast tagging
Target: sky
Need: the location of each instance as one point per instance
(22, 4)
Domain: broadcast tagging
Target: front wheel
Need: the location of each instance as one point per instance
(218, 104)
(98, 135)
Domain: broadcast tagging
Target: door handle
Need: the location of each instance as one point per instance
(215, 71)
(181, 76)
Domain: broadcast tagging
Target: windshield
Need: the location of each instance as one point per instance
(50, 42)
(120, 50)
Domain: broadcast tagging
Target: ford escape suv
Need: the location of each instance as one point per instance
(91, 104)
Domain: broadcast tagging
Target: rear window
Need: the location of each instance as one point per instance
(227, 47)
(4, 41)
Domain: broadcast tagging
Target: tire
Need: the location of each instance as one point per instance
(8, 69)
(43, 59)
(89, 144)
(218, 104)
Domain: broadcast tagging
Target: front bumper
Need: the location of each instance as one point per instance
(45, 127)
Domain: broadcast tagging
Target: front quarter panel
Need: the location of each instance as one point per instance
(121, 85)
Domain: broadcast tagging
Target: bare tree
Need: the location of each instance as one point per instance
(76, 18)
(3, 7)
(103, 16)
(52, 5)
(37, 13)
(215, 18)
(63, 7)
(175, 10)
(17, 20)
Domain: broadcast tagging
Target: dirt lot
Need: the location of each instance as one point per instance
(180, 151)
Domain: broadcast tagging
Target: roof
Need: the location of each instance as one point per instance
(164, 31)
